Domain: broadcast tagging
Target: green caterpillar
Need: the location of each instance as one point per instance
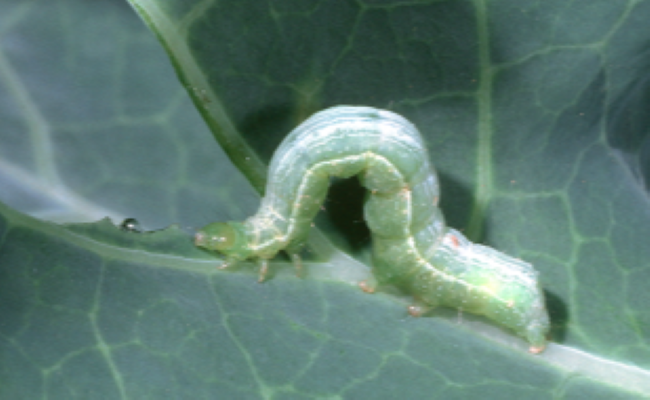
(412, 247)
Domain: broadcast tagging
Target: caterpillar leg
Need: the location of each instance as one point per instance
(229, 262)
(536, 349)
(293, 251)
(416, 310)
(368, 286)
(264, 270)
(297, 262)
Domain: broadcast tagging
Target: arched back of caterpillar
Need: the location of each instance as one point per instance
(412, 246)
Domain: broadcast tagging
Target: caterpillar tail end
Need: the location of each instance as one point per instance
(538, 337)
(538, 341)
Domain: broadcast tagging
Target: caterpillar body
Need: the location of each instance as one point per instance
(412, 247)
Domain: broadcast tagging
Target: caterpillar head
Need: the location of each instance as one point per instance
(228, 238)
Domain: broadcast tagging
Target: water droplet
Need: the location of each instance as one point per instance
(131, 225)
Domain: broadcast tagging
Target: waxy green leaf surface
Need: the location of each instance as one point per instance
(535, 114)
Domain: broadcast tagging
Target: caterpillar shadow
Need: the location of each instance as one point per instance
(559, 316)
(344, 210)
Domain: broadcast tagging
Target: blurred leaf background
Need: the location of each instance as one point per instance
(536, 116)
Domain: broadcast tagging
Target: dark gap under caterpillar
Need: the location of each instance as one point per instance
(412, 247)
